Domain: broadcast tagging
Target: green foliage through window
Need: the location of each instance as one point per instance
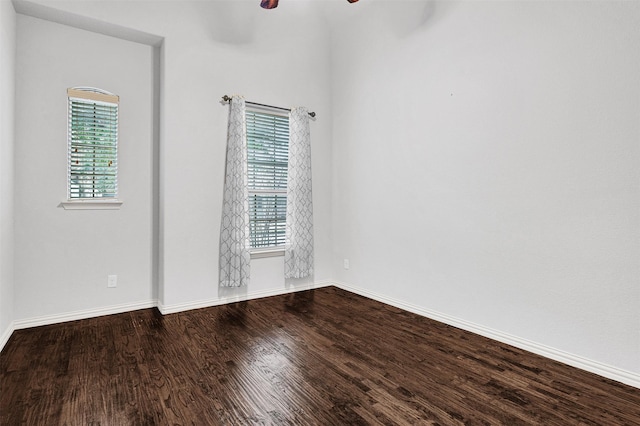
(93, 149)
(267, 163)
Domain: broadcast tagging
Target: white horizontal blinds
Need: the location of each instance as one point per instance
(267, 156)
(93, 144)
(267, 220)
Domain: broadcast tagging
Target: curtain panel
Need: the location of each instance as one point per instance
(298, 255)
(234, 229)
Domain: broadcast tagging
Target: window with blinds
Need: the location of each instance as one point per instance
(92, 170)
(267, 163)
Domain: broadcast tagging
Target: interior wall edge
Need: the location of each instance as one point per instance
(8, 30)
(36, 10)
(610, 372)
(156, 188)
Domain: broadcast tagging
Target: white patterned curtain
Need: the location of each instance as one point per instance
(298, 254)
(234, 229)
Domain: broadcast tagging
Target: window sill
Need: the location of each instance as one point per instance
(268, 252)
(92, 205)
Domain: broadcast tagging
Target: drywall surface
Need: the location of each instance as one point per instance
(486, 166)
(7, 96)
(210, 49)
(278, 60)
(63, 257)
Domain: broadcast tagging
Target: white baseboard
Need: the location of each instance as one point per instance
(164, 309)
(614, 373)
(604, 370)
(6, 335)
(83, 314)
(180, 307)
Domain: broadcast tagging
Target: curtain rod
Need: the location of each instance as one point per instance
(228, 98)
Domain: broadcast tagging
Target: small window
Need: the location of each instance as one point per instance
(267, 163)
(92, 165)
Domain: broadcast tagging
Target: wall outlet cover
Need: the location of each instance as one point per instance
(112, 281)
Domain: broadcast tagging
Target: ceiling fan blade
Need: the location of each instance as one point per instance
(272, 4)
(269, 4)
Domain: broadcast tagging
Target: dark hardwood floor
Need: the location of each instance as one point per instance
(323, 357)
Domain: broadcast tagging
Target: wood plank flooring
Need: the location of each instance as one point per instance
(323, 357)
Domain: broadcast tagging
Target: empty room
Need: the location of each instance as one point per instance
(319, 212)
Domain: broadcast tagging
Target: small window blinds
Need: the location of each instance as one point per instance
(267, 156)
(92, 144)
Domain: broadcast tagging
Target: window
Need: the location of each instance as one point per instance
(267, 163)
(92, 161)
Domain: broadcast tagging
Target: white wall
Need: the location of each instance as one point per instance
(7, 94)
(63, 257)
(486, 166)
(210, 49)
(511, 199)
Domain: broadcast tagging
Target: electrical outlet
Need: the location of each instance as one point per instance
(346, 264)
(112, 281)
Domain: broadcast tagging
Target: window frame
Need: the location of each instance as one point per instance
(91, 96)
(273, 250)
